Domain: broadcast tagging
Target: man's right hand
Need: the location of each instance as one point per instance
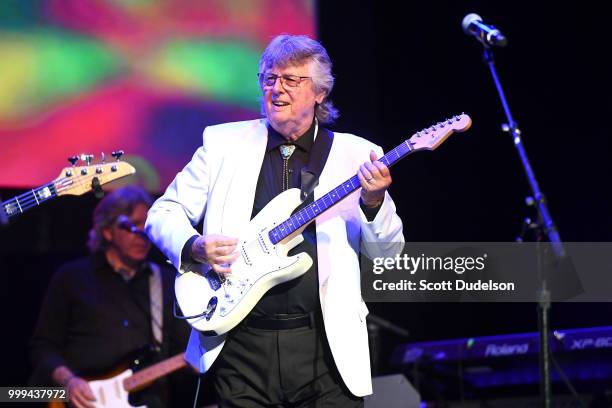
(81, 395)
(215, 250)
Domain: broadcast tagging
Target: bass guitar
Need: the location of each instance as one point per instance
(75, 180)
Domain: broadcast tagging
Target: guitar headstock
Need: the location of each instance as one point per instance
(432, 137)
(78, 180)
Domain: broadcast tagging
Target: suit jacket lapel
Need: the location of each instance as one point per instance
(325, 183)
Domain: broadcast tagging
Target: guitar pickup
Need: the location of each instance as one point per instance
(262, 243)
(245, 256)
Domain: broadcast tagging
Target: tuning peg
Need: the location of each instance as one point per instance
(87, 158)
(73, 160)
(117, 154)
(102, 158)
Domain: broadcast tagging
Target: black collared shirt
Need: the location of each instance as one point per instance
(92, 319)
(300, 295)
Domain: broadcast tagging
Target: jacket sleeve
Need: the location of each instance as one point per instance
(383, 236)
(171, 219)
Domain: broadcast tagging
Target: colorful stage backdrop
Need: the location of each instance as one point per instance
(145, 76)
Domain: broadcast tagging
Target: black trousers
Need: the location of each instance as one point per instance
(279, 368)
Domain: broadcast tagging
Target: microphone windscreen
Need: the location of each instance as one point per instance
(468, 20)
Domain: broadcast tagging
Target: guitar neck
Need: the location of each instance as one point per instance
(147, 375)
(30, 199)
(72, 181)
(318, 207)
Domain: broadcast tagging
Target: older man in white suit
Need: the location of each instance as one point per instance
(305, 341)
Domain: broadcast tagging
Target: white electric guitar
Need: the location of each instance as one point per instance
(113, 390)
(214, 304)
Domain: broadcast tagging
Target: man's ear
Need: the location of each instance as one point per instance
(320, 98)
(107, 234)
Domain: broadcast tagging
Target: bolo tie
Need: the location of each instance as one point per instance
(286, 151)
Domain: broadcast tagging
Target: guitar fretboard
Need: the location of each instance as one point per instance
(29, 199)
(313, 210)
(150, 374)
(73, 181)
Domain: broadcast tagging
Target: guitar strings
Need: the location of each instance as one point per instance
(306, 217)
(28, 199)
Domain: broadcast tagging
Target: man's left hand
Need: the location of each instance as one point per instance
(375, 179)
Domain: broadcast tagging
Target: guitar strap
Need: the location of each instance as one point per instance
(157, 302)
(316, 162)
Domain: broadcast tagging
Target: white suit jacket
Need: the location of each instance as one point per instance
(219, 184)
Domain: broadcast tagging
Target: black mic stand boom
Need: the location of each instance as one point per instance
(547, 226)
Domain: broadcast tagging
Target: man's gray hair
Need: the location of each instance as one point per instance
(285, 50)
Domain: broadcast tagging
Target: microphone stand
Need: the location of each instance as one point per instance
(547, 226)
(3, 217)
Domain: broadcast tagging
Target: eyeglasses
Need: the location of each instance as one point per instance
(292, 81)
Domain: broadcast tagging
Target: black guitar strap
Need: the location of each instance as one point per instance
(318, 157)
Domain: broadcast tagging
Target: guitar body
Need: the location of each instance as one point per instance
(112, 390)
(260, 266)
(109, 393)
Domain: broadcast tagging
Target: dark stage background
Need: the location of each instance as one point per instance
(400, 67)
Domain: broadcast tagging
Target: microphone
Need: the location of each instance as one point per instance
(488, 35)
(124, 223)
